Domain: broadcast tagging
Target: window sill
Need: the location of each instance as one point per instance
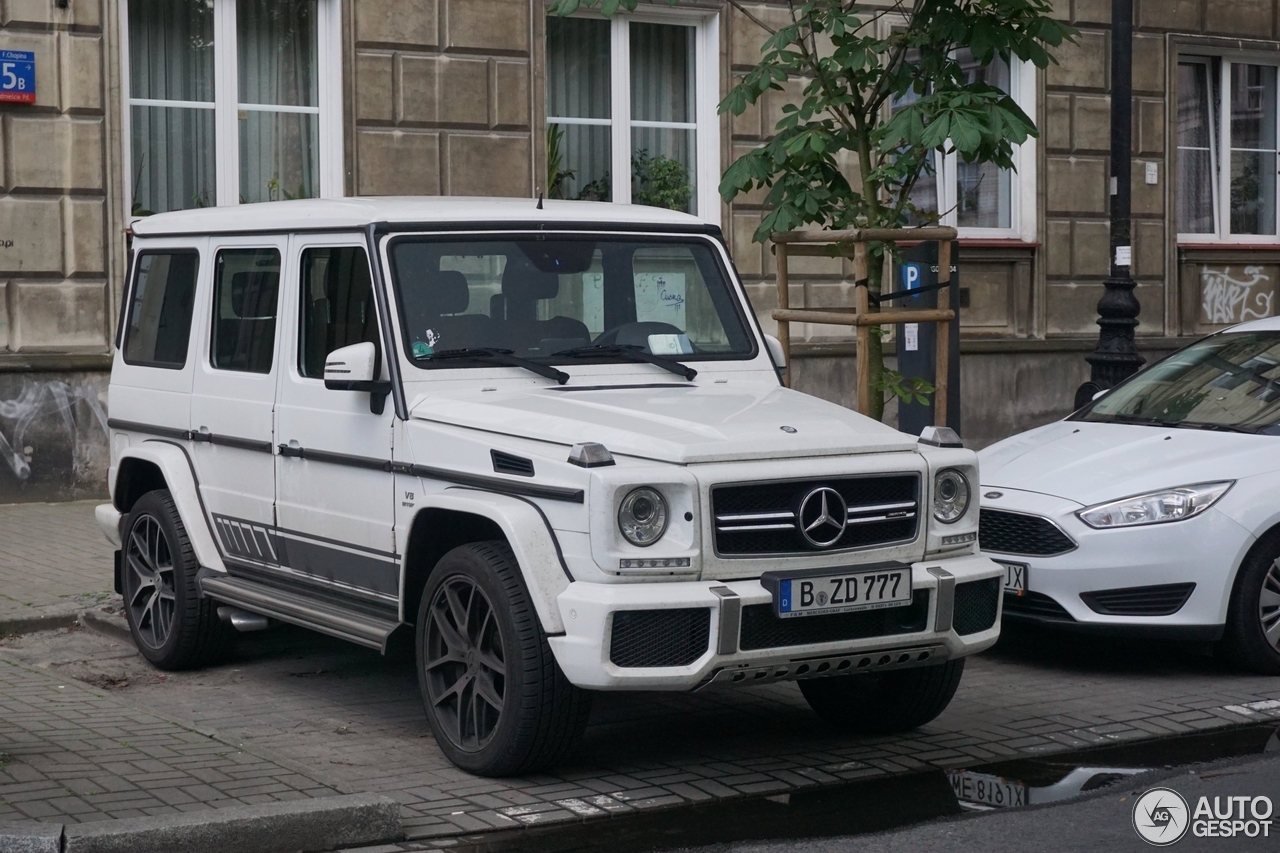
(1229, 247)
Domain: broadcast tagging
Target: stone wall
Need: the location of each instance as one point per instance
(440, 97)
(61, 250)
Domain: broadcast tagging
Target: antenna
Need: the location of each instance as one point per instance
(539, 199)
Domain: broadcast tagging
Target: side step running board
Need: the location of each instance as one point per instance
(362, 628)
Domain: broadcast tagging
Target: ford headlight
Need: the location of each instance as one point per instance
(1155, 507)
(642, 518)
(950, 495)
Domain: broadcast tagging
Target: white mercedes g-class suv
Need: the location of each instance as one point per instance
(547, 441)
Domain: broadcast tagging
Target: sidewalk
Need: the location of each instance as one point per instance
(296, 715)
(54, 562)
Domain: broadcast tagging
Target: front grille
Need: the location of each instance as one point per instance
(659, 637)
(1037, 605)
(762, 630)
(1026, 535)
(976, 605)
(761, 518)
(1162, 600)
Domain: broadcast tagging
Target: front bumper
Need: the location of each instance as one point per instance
(588, 610)
(1204, 551)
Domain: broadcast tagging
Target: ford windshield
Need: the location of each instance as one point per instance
(481, 301)
(1228, 382)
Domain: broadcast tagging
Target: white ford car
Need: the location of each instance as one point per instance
(548, 442)
(1154, 510)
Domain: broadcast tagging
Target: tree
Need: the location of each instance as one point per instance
(874, 102)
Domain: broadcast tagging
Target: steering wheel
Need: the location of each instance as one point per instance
(635, 334)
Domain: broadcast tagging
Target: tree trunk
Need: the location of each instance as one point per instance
(875, 273)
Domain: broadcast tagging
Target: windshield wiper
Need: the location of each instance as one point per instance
(1213, 427)
(1167, 424)
(501, 356)
(635, 353)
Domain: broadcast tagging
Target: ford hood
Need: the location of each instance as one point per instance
(1094, 462)
(670, 423)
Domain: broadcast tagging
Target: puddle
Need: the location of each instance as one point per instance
(883, 803)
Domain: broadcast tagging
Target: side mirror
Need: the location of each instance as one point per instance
(355, 368)
(776, 353)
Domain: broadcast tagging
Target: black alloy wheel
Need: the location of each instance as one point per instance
(173, 625)
(465, 669)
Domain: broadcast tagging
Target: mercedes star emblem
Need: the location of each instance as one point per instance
(823, 516)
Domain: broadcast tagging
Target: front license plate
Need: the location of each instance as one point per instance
(823, 591)
(1015, 577)
(983, 790)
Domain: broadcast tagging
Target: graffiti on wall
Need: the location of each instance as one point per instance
(1226, 299)
(49, 399)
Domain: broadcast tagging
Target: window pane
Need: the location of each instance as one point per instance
(171, 50)
(337, 305)
(246, 285)
(663, 159)
(1195, 153)
(278, 156)
(173, 161)
(579, 156)
(1253, 149)
(984, 192)
(159, 324)
(276, 44)
(276, 50)
(171, 58)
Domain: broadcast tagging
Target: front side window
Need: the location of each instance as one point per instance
(556, 300)
(1228, 382)
(630, 97)
(159, 314)
(246, 288)
(337, 305)
(225, 102)
(1227, 149)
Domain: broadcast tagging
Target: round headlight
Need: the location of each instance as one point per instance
(950, 495)
(642, 518)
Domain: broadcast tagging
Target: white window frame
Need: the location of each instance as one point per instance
(1220, 144)
(1022, 179)
(706, 125)
(226, 84)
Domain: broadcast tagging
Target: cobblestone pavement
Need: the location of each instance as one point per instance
(72, 556)
(308, 715)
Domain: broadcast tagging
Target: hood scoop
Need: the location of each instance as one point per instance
(508, 463)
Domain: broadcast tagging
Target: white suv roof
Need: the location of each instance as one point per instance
(352, 213)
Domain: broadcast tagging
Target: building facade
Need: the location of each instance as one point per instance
(142, 106)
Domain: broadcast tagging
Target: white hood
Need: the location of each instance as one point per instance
(1093, 462)
(695, 423)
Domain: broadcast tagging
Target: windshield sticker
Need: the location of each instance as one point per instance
(660, 298)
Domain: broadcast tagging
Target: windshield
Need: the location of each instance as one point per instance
(1228, 381)
(542, 296)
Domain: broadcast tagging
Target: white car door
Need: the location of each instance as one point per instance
(233, 394)
(334, 486)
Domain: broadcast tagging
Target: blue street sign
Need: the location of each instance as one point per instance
(18, 76)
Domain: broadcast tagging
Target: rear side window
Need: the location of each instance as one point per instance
(159, 312)
(246, 284)
(337, 305)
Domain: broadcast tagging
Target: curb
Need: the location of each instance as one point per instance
(295, 826)
(109, 624)
(32, 624)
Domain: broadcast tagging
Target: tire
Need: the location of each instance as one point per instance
(884, 703)
(1252, 636)
(494, 696)
(172, 624)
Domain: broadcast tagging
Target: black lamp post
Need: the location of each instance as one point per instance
(1116, 358)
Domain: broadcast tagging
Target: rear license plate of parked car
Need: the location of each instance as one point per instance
(1015, 577)
(823, 591)
(981, 789)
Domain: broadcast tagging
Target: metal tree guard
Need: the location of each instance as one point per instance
(853, 244)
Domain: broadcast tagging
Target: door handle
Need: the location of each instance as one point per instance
(291, 450)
